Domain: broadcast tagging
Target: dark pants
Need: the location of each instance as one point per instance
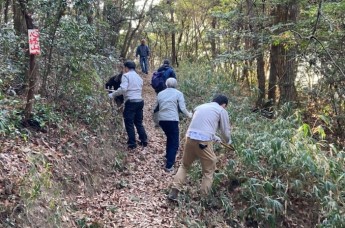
(133, 116)
(171, 130)
(144, 64)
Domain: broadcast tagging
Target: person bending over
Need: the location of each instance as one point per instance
(201, 133)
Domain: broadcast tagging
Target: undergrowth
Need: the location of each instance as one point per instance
(280, 165)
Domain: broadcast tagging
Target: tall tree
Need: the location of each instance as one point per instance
(6, 8)
(60, 9)
(32, 65)
(275, 66)
(256, 13)
(18, 18)
(213, 38)
(287, 86)
(277, 63)
(173, 33)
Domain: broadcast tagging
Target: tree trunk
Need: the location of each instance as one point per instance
(276, 61)
(160, 47)
(32, 68)
(283, 61)
(202, 42)
(124, 49)
(18, 19)
(287, 86)
(246, 73)
(32, 86)
(173, 44)
(186, 51)
(166, 44)
(261, 76)
(6, 7)
(213, 38)
(196, 43)
(19, 25)
(179, 40)
(89, 15)
(274, 65)
(52, 35)
(255, 43)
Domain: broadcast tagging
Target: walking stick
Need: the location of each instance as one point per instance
(230, 147)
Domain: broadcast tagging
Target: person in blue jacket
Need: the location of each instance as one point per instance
(168, 72)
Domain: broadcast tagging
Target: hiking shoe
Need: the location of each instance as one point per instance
(143, 144)
(169, 170)
(173, 194)
(131, 147)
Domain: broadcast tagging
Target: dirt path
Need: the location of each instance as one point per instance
(131, 192)
(140, 200)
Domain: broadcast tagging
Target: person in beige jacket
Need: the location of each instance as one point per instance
(201, 134)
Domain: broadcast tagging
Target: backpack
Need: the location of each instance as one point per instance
(158, 81)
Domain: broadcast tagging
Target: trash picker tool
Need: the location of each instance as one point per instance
(230, 147)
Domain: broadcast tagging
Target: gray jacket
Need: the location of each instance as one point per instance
(167, 103)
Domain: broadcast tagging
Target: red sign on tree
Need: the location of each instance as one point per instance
(34, 44)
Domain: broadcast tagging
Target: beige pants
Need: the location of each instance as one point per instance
(208, 160)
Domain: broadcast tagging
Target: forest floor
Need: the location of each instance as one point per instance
(47, 178)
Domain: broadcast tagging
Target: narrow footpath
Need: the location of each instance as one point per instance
(135, 196)
(145, 203)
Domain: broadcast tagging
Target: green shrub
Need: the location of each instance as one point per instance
(280, 159)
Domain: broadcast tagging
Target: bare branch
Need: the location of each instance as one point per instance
(317, 18)
(329, 55)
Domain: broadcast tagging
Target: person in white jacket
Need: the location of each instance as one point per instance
(166, 114)
(131, 88)
(201, 134)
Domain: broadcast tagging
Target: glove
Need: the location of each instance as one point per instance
(190, 115)
(230, 141)
(111, 95)
(217, 139)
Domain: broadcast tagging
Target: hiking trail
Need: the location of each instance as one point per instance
(137, 197)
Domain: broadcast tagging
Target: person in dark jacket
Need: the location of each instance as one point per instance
(113, 84)
(168, 72)
(143, 52)
(166, 65)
